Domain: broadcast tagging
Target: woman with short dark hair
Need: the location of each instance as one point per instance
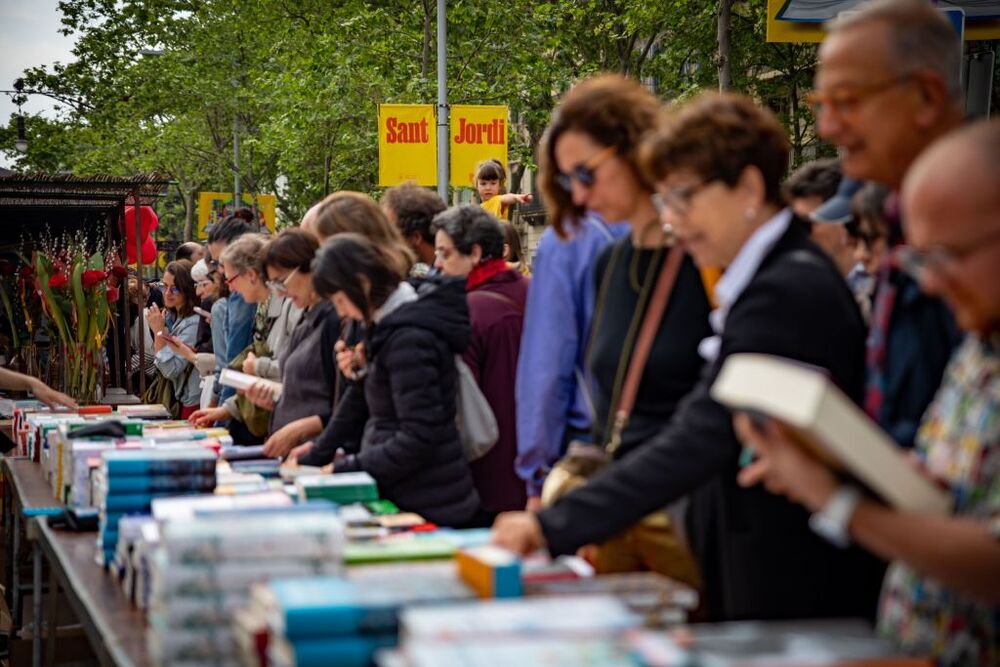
(717, 164)
(469, 244)
(406, 419)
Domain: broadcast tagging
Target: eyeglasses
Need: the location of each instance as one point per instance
(583, 173)
(173, 289)
(444, 254)
(280, 286)
(939, 259)
(229, 281)
(678, 199)
(204, 284)
(847, 99)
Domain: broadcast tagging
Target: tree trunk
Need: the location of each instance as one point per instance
(189, 213)
(725, 49)
(794, 119)
(425, 55)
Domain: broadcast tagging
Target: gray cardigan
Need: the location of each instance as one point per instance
(173, 366)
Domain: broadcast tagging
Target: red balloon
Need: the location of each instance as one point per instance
(147, 222)
(148, 252)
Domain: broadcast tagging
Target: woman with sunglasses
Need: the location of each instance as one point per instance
(718, 164)
(243, 267)
(406, 424)
(308, 367)
(173, 345)
(590, 162)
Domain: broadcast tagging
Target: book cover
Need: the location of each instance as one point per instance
(133, 484)
(824, 421)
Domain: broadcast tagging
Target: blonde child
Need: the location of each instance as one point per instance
(491, 181)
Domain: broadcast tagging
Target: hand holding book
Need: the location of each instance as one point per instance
(783, 467)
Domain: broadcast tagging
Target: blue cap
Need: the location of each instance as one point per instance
(837, 209)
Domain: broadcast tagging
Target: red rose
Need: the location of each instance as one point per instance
(58, 281)
(119, 271)
(112, 295)
(92, 277)
(27, 272)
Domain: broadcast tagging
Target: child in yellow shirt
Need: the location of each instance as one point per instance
(491, 181)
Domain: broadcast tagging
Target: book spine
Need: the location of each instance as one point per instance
(139, 502)
(130, 484)
(305, 623)
(160, 466)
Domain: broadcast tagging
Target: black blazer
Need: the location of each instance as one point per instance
(758, 557)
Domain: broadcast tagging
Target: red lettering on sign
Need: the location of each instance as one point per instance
(494, 132)
(408, 132)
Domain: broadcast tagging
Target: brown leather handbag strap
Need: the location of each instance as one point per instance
(647, 334)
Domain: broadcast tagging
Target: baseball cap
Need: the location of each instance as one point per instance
(837, 209)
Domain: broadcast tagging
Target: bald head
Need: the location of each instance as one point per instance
(951, 196)
(309, 219)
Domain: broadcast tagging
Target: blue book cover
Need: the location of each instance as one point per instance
(124, 484)
(354, 651)
(159, 461)
(141, 502)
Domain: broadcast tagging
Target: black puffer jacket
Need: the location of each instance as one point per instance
(411, 445)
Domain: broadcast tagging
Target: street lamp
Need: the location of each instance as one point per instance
(21, 145)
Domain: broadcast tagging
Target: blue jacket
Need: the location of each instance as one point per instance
(556, 325)
(239, 332)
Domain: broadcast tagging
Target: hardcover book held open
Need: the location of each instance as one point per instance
(829, 425)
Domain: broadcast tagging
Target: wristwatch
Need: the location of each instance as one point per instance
(831, 522)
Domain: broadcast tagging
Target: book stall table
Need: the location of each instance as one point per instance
(25, 492)
(113, 626)
(119, 633)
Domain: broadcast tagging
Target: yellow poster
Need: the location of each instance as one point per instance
(477, 133)
(792, 31)
(407, 144)
(214, 207)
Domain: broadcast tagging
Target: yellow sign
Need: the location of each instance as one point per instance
(407, 144)
(793, 31)
(477, 133)
(214, 207)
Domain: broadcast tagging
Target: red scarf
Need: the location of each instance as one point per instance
(484, 272)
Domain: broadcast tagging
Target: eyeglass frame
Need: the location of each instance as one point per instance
(678, 199)
(229, 281)
(940, 259)
(583, 173)
(280, 286)
(819, 101)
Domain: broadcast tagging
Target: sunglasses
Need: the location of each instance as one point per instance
(583, 173)
(281, 286)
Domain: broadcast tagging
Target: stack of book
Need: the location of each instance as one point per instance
(343, 489)
(129, 480)
(570, 631)
(333, 621)
(203, 569)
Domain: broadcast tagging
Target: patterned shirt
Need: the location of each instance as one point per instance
(959, 440)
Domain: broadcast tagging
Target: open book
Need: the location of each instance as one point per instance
(827, 423)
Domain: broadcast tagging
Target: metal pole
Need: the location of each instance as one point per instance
(442, 105)
(138, 269)
(237, 195)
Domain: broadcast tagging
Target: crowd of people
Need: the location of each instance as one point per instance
(676, 239)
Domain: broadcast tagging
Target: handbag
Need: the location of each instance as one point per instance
(255, 418)
(651, 543)
(477, 425)
(161, 391)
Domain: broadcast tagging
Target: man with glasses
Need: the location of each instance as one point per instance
(941, 596)
(888, 85)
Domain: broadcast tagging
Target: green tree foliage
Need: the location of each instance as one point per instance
(300, 81)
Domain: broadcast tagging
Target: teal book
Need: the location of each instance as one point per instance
(193, 461)
(354, 651)
(323, 607)
(141, 502)
(131, 484)
(344, 488)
